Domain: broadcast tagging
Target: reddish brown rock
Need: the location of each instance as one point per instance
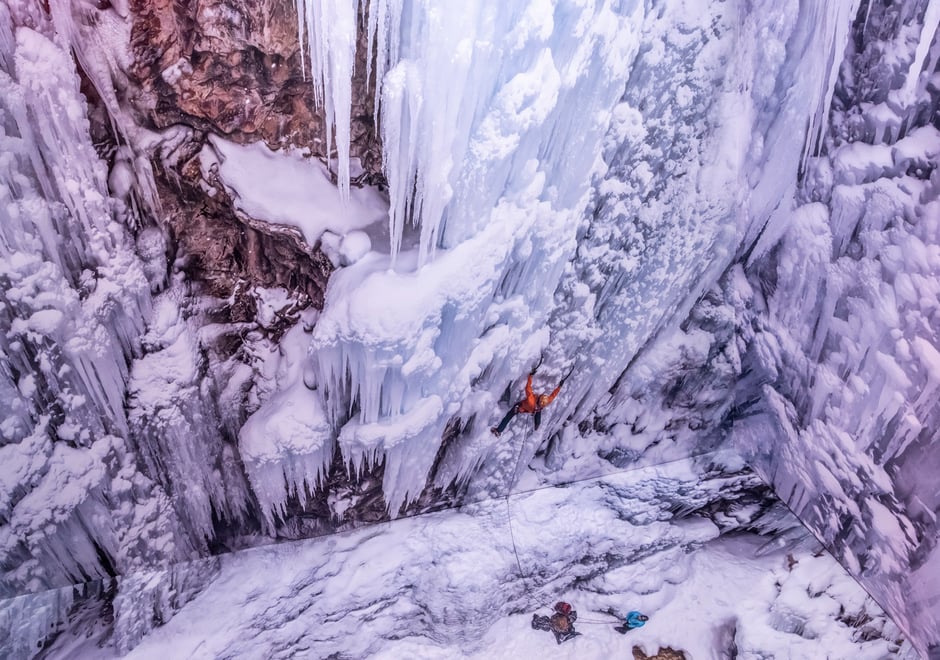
(230, 254)
(234, 69)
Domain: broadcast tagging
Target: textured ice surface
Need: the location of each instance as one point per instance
(108, 464)
(682, 543)
(846, 346)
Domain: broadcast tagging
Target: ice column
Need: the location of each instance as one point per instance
(74, 288)
(831, 28)
(928, 33)
(331, 28)
(74, 301)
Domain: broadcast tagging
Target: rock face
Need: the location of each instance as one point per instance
(235, 69)
(666, 653)
(231, 254)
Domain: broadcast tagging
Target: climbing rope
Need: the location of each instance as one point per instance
(525, 439)
(512, 535)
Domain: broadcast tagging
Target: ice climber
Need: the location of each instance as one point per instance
(560, 623)
(633, 620)
(530, 405)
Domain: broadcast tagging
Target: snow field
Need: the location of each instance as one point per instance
(448, 584)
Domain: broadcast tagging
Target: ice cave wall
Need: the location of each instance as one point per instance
(534, 210)
(102, 377)
(838, 405)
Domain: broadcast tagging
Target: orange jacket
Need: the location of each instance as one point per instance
(530, 404)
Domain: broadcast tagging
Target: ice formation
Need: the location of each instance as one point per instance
(287, 443)
(74, 300)
(846, 349)
(330, 28)
(564, 180)
(492, 120)
(488, 155)
(76, 307)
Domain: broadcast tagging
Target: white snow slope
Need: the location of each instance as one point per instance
(667, 541)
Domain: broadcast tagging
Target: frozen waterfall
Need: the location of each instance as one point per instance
(491, 119)
(509, 237)
(74, 301)
(714, 223)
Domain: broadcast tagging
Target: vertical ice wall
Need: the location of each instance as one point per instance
(491, 119)
(845, 346)
(74, 299)
(74, 302)
(689, 176)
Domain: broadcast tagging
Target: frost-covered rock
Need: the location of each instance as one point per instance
(846, 335)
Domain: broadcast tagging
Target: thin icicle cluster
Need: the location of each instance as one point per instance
(97, 37)
(831, 26)
(928, 50)
(331, 29)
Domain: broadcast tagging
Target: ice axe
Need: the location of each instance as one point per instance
(537, 365)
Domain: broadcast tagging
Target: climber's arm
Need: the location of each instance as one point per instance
(551, 397)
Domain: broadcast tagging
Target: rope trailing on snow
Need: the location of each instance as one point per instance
(512, 535)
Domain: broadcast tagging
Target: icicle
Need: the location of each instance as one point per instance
(300, 7)
(401, 110)
(931, 24)
(835, 27)
(385, 31)
(331, 27)
(867, 15)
